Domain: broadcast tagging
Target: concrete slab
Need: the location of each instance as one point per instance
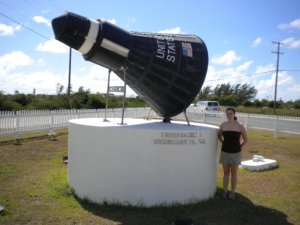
(259, 163)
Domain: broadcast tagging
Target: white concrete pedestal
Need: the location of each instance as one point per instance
(142, 163)
(259, 163)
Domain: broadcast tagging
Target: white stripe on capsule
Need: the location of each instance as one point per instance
(114, 47)
(90, 39)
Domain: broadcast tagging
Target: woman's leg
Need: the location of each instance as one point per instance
(234, 176)
(226, 173)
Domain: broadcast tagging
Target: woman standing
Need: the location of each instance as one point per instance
(230, 134)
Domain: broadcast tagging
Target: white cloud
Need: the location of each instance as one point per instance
(52, 46)
(245, 66)
(256, 42)
(233, 75)
(40, 19)
(133, 19)
(12, 79)
(266, 87)
(211, 76)
(113, 21)
(292, 42)
(41, 62)
(42, 81)
(175, 30)
(266, 68)
(295, 24)
(95, 79)
(97, 73)
(227, 59)
(130, 23)
(7, 30)
(82, 69)
(12, 60)
(264, 83)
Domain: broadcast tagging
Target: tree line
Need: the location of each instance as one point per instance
(80, 99)
(241, 95)
(226, 94)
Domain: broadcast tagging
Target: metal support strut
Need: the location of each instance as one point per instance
(186, 118)
(123, 110)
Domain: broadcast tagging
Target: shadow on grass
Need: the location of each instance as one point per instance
(215, 211)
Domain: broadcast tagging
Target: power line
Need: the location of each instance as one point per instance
(56, 6)
(13, 9)
(248, 75)
(289, 70)
(33, 5)
(254, 74)
(17, 13)
(33, 31)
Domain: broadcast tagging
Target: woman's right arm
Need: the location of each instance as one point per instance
(220, 134)
(244, 135)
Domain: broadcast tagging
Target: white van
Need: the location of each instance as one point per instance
(208, 106)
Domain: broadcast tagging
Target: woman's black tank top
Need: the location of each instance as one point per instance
(231, 143)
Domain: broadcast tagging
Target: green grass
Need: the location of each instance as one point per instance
(29, 136)
(34, 189)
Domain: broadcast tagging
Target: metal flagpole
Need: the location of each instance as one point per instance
(107, 95)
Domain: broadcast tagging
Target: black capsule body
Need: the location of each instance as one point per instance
(166, 70)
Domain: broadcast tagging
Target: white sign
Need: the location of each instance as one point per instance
(116, 89)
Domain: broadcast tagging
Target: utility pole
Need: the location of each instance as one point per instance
(277, 68)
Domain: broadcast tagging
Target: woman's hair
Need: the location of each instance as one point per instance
(233, 110)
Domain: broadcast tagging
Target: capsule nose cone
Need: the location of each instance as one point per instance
(59, 25)
(71, 29)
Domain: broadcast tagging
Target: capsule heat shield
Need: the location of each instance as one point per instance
(167, 70)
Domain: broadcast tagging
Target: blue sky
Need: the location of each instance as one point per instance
(238, 35)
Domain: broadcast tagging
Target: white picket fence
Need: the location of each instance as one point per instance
(275, 124)
(14, 124)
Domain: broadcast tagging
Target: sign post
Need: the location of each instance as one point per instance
(116, 89)
(107, 95)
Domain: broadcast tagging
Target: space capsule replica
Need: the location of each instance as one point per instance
(166, 70)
